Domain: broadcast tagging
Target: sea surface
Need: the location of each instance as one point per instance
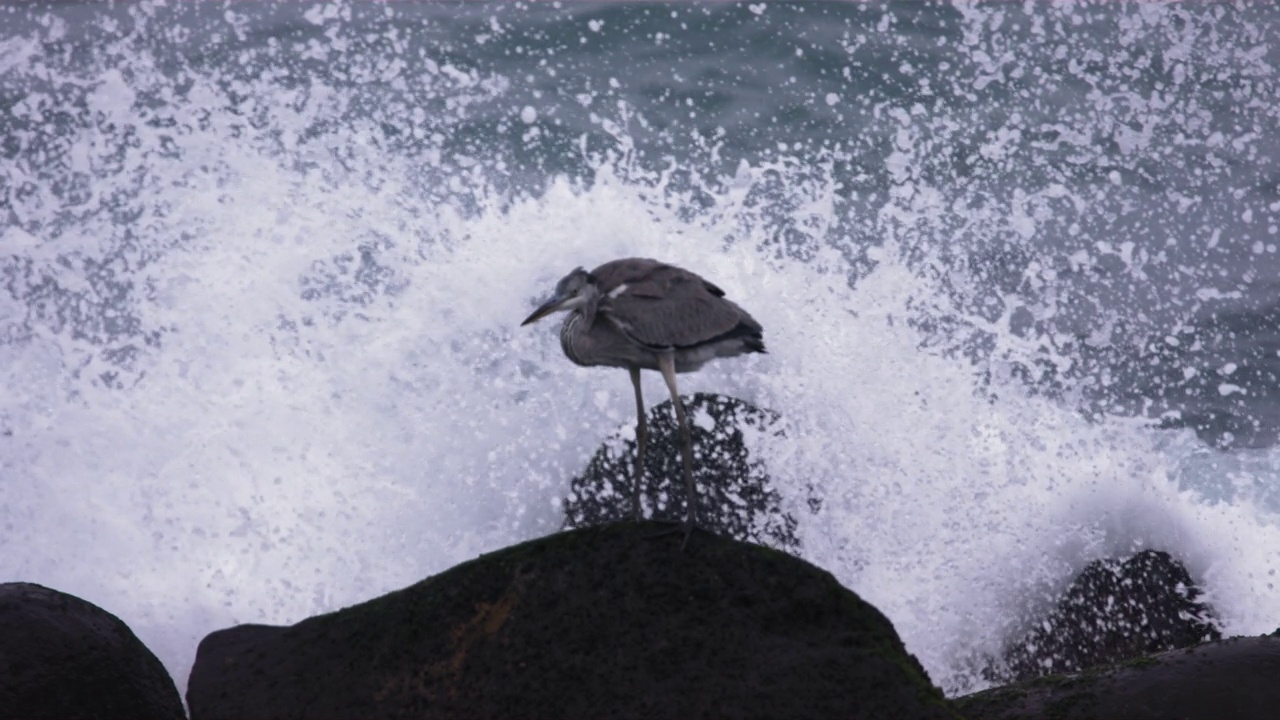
(262, 268)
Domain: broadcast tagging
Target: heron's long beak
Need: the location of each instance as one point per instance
(548, 307)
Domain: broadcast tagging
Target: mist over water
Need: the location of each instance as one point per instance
(263, 268)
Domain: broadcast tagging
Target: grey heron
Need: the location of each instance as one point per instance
(642, 314)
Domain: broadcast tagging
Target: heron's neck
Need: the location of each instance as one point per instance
(573, 333)
(588, 310)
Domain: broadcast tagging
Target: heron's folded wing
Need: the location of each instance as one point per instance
(673, 308)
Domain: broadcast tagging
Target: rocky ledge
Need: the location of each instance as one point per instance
(614, 621)
(1235, 678)
(610, 621)
(62, 657)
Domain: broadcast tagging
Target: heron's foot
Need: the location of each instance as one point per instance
(684, 527)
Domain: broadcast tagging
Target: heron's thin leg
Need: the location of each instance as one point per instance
(642, 439)
(667, 364)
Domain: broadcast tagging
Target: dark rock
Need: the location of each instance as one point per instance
(734, 494)
(1234, 678)
(1112, 612)
(62, 657)
(610, 621)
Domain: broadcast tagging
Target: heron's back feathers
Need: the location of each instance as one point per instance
(663, 307)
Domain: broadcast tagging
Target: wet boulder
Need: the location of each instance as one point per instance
(1112, 612)
(607, 621)
(63, 657)
(735, 494)
(1233, 678)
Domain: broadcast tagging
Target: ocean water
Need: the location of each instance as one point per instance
(262, 268)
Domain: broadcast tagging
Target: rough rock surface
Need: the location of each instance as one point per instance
(1234, 678)
(610, 621)
(1112, 612)
(735, 498)
(62, 657)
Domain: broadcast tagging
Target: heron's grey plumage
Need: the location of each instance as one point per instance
(636, 308)
(638, 313)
